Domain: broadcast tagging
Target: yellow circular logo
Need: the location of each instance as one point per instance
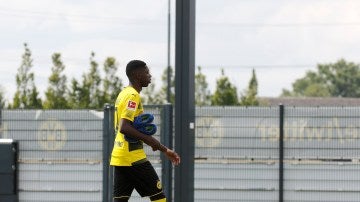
(158, 184)
(208, 132)
(52, 135)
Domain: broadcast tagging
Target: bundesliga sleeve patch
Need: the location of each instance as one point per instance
(131, 105)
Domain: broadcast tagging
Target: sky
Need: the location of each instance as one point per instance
(280, 39)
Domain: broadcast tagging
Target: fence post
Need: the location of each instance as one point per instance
(1, 135)
(185, 99)
(108, 131)
(166, 138)
(281, 153)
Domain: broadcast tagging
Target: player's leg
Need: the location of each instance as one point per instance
(147, 182)
(120, 199)
(158, 198)
(123, 185)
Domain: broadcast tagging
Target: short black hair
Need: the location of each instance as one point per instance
(134, 65)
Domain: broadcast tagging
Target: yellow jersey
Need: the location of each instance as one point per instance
(127, 106)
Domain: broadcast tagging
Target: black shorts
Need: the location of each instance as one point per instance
(141, 177)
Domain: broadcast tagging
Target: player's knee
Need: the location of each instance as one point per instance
(158, 198)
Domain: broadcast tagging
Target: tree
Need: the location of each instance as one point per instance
(202, 93)
(162, 95)
(34, 100)
(92, 82)
(26, 94)
(225, 93)
(87, 94)
(56, 91)
(75, 95)
(112, 84)
(249, 97)
(341, 79)
(311, 85)
(2, 98)
(150, 96)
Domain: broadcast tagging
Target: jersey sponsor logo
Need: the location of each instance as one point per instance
(131, 105)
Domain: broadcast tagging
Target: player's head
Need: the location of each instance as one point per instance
(138, 72)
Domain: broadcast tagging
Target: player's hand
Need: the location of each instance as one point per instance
(173, 157)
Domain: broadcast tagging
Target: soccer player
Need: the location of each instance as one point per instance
(132, 170)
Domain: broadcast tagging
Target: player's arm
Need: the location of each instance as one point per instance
(127, 128)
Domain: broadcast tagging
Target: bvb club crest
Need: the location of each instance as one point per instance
(52, 135)
(208, 132)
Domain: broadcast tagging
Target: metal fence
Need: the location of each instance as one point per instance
(61, 153)
(322, 154)
(287, 154)
(253, 154)
(234, 161)
(60, 158)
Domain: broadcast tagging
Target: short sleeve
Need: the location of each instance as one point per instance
(131, 104)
